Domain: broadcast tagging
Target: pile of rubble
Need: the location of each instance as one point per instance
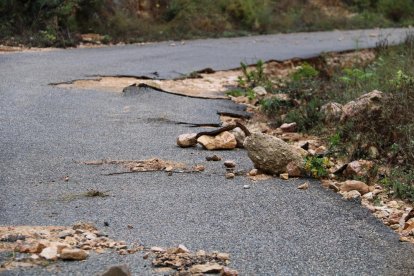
(282, 152)
(42, 245)
(184, 262)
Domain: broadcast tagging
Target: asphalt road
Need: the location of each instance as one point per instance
(270, 229)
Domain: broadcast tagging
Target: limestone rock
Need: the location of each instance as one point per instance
(284, 176)
(224, 140)
(354, 194)
(358, 168)
(157, 249)
(271, 154)
(230, 175)
(260, 91)
(182, 249)
(187, 140)
(225, 271)
(49, 253)
(213, 158)
(66, 233)
(73, 254)
(367, 105)
(293, 169)
(254, 172)
(368, 196)
(229, 164)
(206, 268)
(240, 136)
(304, 186)
(289, 127)
(356, 185)
(118, 270)
(223, 256)
(331, 112)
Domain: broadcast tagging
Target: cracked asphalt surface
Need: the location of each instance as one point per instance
(270, 229)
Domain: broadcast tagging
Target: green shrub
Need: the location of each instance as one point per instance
(401, 184)
(305, 71)
(316, 166)
(396, 10)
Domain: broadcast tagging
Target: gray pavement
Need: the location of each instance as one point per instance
(269, 229)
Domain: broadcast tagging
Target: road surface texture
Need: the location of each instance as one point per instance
(270, 229)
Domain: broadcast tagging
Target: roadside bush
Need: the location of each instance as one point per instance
(397, 10)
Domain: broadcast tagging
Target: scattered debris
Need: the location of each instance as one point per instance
(284, 176)
(213, 140)
(180, 259)
(96, 193)
(187, 140)
(230, 175)
(304, 186)
(289, 127)
(229, 164)
(54, 243)
(213, 158)
(254, 172)
(246, 186)
(150, 165)
(118, 270)
(356, 185)
(224, 140)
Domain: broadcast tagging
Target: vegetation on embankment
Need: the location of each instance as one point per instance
(379, 129)
(59, 22)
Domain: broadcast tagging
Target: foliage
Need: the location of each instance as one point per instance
(355, 76)
(316, 166)
(401, 184)
(60, 21)
(305, 71)
(396, 10)
(253, 77)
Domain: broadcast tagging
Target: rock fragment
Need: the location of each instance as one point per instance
(206, 268)
(304, 186)
(49, 253)
(356, 185)
(358, 168)
(293, 170)
(225, 271)
(284, 176)
(230, 175)
(254, 172)
(270, 154)
(187, 140)
(118, 270)
(73, 254)
(260, 91)
(224, 140)
(213, 158)
(240, 136)
(365, 106)
(354, 194)
(292, 127)
(331, 112)
(229, 164)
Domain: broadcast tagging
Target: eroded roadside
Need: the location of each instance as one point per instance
(256, 124)
(210, 84)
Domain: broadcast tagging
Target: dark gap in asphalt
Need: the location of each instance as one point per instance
(192, 125)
